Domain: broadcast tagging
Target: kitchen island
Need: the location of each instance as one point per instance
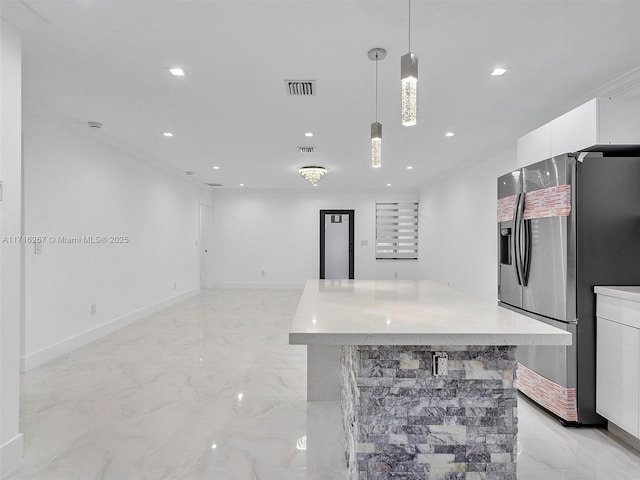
(403, 418)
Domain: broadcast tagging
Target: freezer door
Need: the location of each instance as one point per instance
(557, 363)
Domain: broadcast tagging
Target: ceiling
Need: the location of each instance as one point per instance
(108, 61)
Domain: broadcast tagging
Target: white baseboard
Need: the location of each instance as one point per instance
(33, 360)
(11, 455)
(623, 436)
(260, 285)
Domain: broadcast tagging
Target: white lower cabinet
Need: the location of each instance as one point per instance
(618, 358)
(617, 373)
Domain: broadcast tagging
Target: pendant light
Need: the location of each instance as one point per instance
(376, 54)
(409, 77)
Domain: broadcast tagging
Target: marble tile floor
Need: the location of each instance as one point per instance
(210, 389)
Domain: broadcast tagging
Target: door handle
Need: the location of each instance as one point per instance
(523, 242)
(517, 229)
(526, 261)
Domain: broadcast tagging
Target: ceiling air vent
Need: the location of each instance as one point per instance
(300, 88)
(215, 184)
(306, 149)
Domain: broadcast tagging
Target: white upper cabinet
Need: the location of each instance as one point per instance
(575, 130)
(599, 122)
(535, 146)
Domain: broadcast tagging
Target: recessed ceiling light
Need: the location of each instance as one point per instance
(308, 134)
(242, 184)
(216, 167)
(177, 72)
(388, 184)
(167, 134)
(449, 134)
(498, 71)
(410, 167)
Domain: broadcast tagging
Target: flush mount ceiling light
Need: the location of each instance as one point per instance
(308, 134)
(177, 72)
(167, 134)
(409, 77)
(376, 54)
(449, 134)
(312, 174)
(498, 71)
(301, 443)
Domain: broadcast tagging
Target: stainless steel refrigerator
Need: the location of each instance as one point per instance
(565, 225)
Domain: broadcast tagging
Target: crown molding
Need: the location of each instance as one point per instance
(620, 85)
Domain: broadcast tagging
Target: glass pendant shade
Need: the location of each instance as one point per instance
(409, 76)
(376, 144)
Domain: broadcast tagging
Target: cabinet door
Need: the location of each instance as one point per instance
(618, 375)
(576, 129)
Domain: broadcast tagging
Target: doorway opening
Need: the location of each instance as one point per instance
(336, 244)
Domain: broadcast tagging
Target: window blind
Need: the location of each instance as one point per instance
(396, 230)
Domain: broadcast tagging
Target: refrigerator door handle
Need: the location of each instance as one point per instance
(517, 226)
(526, 255)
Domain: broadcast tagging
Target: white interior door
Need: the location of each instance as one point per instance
(204, 244)
(336, 237)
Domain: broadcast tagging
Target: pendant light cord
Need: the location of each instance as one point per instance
(409, 25)
(376, 87)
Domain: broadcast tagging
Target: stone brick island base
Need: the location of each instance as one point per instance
(404, 423)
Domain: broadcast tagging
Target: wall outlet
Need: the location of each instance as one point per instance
(440, 364)
(364, 243)
(175, 285)
(395, 275)
(93, 309)
(262, 273)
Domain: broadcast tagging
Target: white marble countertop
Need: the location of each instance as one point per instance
(625, 293)
(404, 312)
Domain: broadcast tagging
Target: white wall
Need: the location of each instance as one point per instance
(76, 185)
(11, 443)
(278, 233)
(458, 243)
